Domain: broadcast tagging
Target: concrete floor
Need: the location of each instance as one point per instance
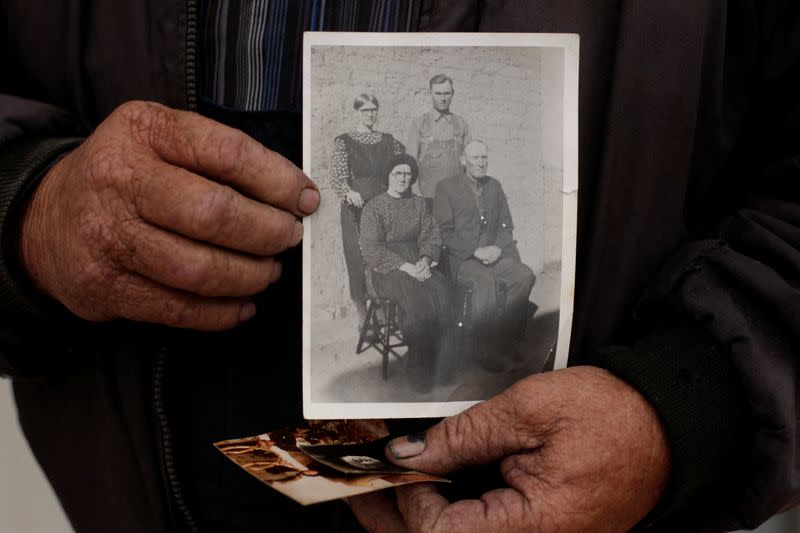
(338, 374)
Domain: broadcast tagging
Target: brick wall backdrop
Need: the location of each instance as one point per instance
(497, 90)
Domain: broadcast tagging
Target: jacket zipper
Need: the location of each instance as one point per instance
(169, 471)
(191, 55)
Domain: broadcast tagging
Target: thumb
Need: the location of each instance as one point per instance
(485, 433)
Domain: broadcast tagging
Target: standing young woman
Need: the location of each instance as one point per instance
(357, 175)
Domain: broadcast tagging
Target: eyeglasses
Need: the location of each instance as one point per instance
(401, 174)
(365, 111)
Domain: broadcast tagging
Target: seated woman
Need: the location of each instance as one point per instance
(399, 240)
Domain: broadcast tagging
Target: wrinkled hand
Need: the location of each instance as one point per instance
(354, 198)
(488, 254)
(580, 450)
(164, 216)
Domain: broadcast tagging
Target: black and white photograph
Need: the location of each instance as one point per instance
(439, 267)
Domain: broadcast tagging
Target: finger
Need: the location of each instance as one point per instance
(485, 433)
(377, 512)
(143, 300)
(201, 209)
(180, 263)
(223, 154)
(503, 510)
(421, 505)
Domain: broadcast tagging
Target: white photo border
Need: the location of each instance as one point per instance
(570, 43)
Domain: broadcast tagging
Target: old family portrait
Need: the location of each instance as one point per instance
(434, 265)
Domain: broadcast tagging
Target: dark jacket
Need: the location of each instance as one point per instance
(461, 225)
(687, 251)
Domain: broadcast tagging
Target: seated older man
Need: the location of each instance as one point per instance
(476, 227)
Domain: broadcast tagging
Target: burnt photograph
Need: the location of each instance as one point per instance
(320, 461)
(438, 269)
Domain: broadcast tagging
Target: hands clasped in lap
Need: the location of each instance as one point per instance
(420, 271)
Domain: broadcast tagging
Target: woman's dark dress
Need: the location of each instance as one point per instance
(395, 231)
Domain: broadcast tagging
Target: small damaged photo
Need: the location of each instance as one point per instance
(352, 458)
(321, 460)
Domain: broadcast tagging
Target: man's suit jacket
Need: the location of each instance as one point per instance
(456, 211)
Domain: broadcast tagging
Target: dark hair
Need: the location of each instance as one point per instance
(365, 98)
(403, 159)
(439, 79)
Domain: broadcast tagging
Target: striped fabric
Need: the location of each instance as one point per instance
(251, 50)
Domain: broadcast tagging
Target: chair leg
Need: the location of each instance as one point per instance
(387, 338)
(377, 333)
(366, 327)
(463, 330)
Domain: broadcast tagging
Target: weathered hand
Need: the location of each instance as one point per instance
(164, 216)
(354, 198)
(580, 450)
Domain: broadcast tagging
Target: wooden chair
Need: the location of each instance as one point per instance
(380, 329)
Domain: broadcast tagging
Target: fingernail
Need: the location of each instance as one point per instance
(309, 200)
(297, 233)
(408, 446)
(247, 312)
(277, 269)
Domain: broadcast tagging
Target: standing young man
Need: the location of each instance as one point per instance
(437, 138)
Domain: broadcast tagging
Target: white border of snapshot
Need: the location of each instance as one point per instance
(568, 145)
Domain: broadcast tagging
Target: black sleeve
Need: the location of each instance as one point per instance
(35, 332)
(719, 352)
